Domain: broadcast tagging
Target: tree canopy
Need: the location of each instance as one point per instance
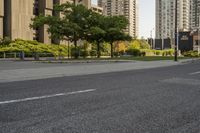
(76, 22)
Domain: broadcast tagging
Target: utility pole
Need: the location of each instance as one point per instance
(151, 39)
(198, 37)
(176, 34)
(162, 47)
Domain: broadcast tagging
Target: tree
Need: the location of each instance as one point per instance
(144, 44)
(135, 44)
(96, 33)
(120, 47)
(114, 34)
(96, 36)
(114, 26)
(71, 26)
(139, 44)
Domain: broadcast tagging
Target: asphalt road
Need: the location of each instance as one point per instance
(159, 100)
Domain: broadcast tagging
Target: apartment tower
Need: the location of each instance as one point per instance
(128, 8)
(195, 14)
(165, 17)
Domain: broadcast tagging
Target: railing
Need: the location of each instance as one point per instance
(17, 55)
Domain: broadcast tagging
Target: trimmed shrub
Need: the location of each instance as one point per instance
(34, 48)
(191, 54)
(134, 52)
(148, 52)
(84, 53)
(158, 52)
(93, 53)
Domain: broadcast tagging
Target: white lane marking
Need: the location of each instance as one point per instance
(45, 97)
(195, 73)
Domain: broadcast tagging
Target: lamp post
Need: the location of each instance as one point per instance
(151, 39)
(162, 47)
(198, 49)
(176, 34)
(68, 49)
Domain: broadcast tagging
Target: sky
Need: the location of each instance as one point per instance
(146, 17)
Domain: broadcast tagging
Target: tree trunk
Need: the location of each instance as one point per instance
(36, 56)
(111, 49)
(4, 55)
(22, 55)
(98, 50)
(76, 54)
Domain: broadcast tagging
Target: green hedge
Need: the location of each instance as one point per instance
(191, 54)
(31, 47)
(150, 52)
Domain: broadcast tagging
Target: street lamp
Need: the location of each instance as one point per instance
(152, 39)
(198, 37)
(176, 34)
(162, 46)
(68, 49)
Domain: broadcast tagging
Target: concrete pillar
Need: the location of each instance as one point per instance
(45, 8)
(1, 17)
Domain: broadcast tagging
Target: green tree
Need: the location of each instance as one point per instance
(114, 26)
(144, 44)
(134, 44)
(139, 44)
(71, 26)
(97, 36)
(96, 32)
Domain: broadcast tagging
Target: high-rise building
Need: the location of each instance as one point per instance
(128, 8)
(165, 17)
(16, 15)
(195, 14)
(97, 9)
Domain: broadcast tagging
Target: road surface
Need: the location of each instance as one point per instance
(156, 100)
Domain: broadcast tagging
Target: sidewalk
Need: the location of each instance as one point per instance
(51, 70)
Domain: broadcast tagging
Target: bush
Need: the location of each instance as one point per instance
(148, 52)
(93, 53)
(142, 53)
(34, 48)
(116, 54)
(191, 54)
(84, 53)
(5, 41)
(169, 52)
(158, 52)
(134, 52)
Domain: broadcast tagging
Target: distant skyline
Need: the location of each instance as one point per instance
(146, 17)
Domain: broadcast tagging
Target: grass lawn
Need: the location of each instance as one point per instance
(139, 58)
(116, 59)
(151, 58)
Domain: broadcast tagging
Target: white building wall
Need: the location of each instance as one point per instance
(165, 17)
